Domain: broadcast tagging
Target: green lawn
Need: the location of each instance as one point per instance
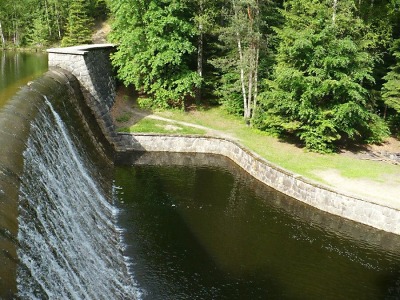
(283, 154)
(157, 126)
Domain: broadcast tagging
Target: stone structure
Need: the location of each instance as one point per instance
(91, 65)
(322, 197)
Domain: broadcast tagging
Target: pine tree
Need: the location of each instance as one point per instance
(39, 34)
(78, 28)
(323, 65)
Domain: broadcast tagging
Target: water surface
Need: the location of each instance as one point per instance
(209, 231)
(18, 68)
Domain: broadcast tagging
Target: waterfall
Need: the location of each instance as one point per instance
(69, 246)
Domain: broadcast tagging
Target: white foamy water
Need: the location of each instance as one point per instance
(69, 245)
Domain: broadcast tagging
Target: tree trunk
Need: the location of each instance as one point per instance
(200, 52)
(255, 81)
(251, 64)
(47, 16)
(2, 38)
(335, 2)
(241, 62)
(242, 81)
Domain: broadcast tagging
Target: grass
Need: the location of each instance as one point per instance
(125, 117)
(283, 154)
(148, 125)
(280, 153)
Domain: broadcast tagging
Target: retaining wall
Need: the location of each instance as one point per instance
(319, 196)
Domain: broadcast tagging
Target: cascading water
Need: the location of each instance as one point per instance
(68, 244)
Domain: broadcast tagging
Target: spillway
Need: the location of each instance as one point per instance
(58, 227)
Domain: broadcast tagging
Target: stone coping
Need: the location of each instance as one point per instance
(325, 198)
(80, 50)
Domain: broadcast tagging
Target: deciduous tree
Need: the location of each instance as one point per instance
(156, 50)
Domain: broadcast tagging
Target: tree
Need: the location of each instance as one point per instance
(391, 88)
(155, 49)
(39, 34)
(323, 66)
(246, 43)
(79, 24)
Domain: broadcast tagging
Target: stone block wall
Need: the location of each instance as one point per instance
(322, 197)
(91, 65)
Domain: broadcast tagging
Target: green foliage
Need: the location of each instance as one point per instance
(78, 28)
(323, 66)
(155, 49)
(39, 33)
(391, 89)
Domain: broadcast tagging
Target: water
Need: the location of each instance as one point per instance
(58, 233)
(18, 68)
(200, 228)
(69, 244)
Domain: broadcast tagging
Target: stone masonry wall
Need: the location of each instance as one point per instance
(314, 194)
(91, 65)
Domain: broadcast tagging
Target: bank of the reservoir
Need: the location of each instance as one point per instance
(99, 90)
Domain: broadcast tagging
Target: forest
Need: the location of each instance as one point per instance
(322, 73)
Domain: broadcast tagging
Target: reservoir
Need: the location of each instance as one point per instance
(17, 69)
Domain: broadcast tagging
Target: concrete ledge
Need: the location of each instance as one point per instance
(81, 49)
(319, 196)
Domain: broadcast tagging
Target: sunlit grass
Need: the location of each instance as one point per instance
(283, 154)
(148, 125)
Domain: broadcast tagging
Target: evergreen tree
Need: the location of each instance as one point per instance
(323, 66)
(39, 34)
(155, 51)
(391, 91)
(79, 24)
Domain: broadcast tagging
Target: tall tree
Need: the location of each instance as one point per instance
(323, 68)
(39, 35)
(155, 51)
(79, 24)
(245, 40)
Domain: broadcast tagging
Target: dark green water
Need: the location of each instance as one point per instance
(202, 229)
(17, 69)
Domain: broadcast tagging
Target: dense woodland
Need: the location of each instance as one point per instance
(323, 73)
(41, 23)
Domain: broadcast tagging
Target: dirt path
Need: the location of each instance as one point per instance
(386, 193)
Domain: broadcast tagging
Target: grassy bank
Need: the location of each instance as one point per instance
(283, 154)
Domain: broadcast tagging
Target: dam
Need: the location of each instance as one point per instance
(81, 221)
